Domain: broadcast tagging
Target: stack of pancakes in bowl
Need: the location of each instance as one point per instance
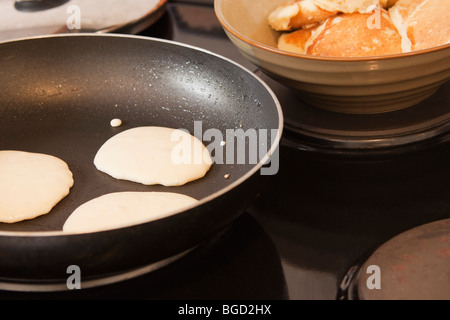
(348, 56)
(361, 28)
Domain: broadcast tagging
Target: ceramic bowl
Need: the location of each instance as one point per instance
(350, 85)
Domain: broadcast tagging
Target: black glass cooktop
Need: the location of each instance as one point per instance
(335, 199)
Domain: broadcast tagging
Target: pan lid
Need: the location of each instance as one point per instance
(411, 266)
(29, 18)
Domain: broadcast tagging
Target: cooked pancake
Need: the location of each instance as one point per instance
(297, 14)
(345, 35)
(348, 6)
(305, 13)
(419, 24)
(295, 41)
(348, 35)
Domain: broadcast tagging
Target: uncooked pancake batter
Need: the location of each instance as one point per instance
(154, 155)
(122, 209)
(31, 184)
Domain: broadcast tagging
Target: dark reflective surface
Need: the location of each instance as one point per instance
(240, 263)
(327, 213)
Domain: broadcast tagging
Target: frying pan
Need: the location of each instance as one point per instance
(58, 95)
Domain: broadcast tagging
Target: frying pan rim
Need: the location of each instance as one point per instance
(274, 145)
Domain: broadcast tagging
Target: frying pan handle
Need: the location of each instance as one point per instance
(37, 5)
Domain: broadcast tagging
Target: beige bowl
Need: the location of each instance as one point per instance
(350, 85)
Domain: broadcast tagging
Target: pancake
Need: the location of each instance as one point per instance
(297, 14)
(345, 35)
(154, 155)
(122, 209)
(296, 41)
(31, 184)
(348, 6)
(423, 24)
(306, 13)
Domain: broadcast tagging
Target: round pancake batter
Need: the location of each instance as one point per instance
(31, 184)
(154, 155)
(121, 209)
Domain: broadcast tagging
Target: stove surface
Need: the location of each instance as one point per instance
(325, 211)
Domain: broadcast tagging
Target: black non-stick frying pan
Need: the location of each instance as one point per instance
(58, 95)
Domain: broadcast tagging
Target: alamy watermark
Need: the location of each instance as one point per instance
(73, 21)
(374, 280)
(74, 280)
(374, 20)
(236, 146)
